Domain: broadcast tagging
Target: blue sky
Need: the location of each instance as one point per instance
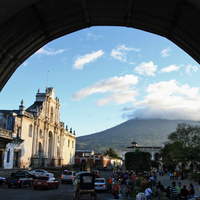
(104, 76)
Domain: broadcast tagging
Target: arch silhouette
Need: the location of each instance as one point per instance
(26, 26)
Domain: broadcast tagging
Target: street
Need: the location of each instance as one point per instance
(65, 191)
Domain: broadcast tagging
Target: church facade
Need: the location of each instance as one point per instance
(39, 137)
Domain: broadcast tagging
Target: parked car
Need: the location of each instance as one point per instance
(100, 184)
(2, 180)
(96, 173)
(41, 172)
(45, 182)
(18, 179)
(24, 173)
(102, 168)
(67, 176)
(119, 175)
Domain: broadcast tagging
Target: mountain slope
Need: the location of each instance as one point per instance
(152, 132)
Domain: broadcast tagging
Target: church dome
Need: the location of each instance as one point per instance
(134, 144)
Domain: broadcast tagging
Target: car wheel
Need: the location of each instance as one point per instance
(21, 185)
(35, 188)
(49, 187)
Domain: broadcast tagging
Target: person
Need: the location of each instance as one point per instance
(176, 175)
(168, 192)
(184, 193)
(116, 190)
(127, 191)
(134, 179)
(110, 184)
(173, 191)
(159, 193)
(161, 186)
(148, 193)
(191, 190)
(179, 187)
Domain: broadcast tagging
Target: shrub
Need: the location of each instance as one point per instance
(143, 185)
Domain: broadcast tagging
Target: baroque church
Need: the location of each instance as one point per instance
(35, 136)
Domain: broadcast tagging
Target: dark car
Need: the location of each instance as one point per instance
(45, 182)
(19, 179)
(119, 175)
(96, 173)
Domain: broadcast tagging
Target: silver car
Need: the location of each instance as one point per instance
(100, 184)
(67, 176)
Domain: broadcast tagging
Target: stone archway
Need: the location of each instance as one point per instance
(26, 26)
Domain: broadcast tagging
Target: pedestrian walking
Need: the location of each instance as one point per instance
(173, 191)
(110, 184)
(158, 192)
(184, 193)
(191, 190)
(148, 193)
(179, 187)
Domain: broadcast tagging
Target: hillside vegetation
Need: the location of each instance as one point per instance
(152, 132)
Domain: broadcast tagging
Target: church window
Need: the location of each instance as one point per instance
(41, 135)
(30, 130)
(68, 143)
(8, 156)
(51, 119)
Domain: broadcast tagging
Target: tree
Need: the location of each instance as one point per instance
(138, 161)
(183, 145)
(111, 153)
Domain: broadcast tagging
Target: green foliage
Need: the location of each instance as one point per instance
(111, 153)
(138, 161)
(155, 164)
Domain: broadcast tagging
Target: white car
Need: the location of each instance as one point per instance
(100, 184)
(41, 172)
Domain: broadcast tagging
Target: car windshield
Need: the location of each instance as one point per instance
(43, 178)
(67, 173)
(99, 181)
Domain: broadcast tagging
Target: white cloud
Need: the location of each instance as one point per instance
(165, 52)
(190, 67)
(170, 68)
(119, 98)
(82, 60)
(25, 64)
(168, 100)
(146, 69)
(120, 52)
(93, 36)
(49, 52)
(115, 85)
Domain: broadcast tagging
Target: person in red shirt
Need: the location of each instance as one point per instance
(116, 189)
(109, 184)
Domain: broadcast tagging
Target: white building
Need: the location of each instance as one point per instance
(154, 151)
(40, 138)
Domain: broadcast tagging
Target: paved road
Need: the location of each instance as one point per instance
(65, 191)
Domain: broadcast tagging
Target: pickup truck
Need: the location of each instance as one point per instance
(19, 179)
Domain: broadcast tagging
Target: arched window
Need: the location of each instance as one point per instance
(51, 119)
(30, 130)
(41, 135)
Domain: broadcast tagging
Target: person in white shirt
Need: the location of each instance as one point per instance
(148, 193)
